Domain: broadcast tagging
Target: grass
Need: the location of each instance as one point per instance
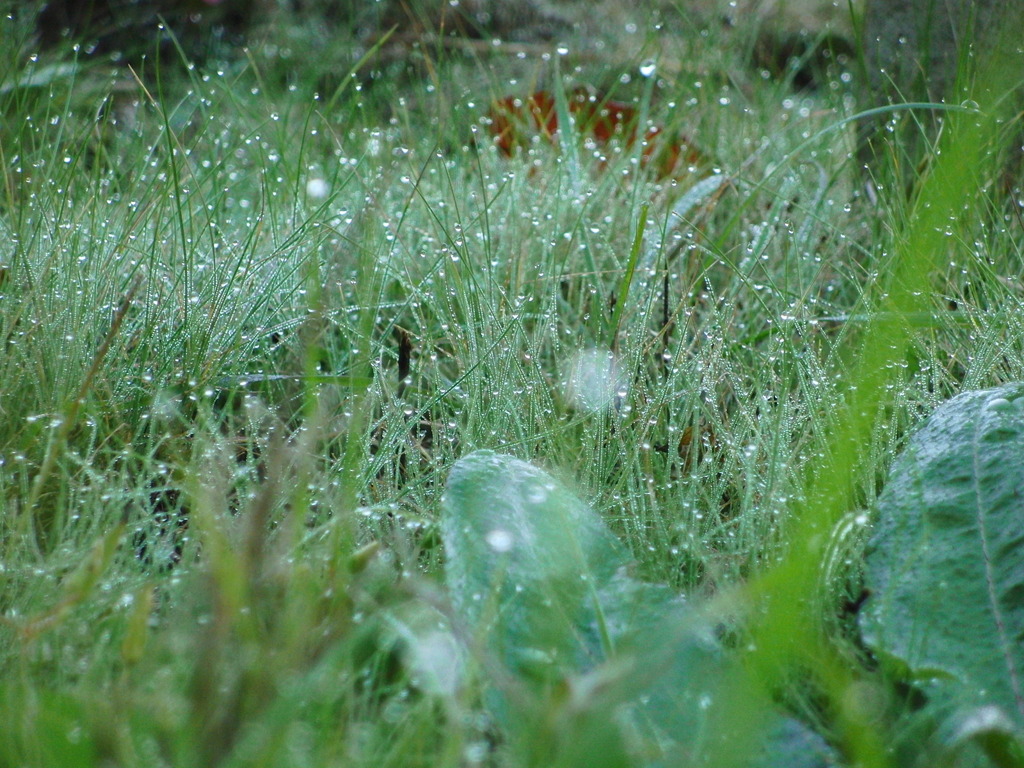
(230, 402)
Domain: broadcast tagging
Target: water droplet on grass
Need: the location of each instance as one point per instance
(317, 189)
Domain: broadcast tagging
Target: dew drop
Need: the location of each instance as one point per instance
(499, 540)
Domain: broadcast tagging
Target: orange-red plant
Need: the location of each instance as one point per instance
(513, 121)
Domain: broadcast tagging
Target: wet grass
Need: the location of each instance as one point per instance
(248, 329)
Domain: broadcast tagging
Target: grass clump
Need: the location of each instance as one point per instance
(249, 324)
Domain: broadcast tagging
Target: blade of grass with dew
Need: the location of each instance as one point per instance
(69, 419)
(627, 278)
(566, 132)
(351, 74)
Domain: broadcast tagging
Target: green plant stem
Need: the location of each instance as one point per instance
(59, 437)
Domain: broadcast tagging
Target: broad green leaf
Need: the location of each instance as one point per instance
(529, 566)
(945, 564)
(567, 638)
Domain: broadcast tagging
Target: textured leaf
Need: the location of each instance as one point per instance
(527, 558)
(945, 565)
(543, 587)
